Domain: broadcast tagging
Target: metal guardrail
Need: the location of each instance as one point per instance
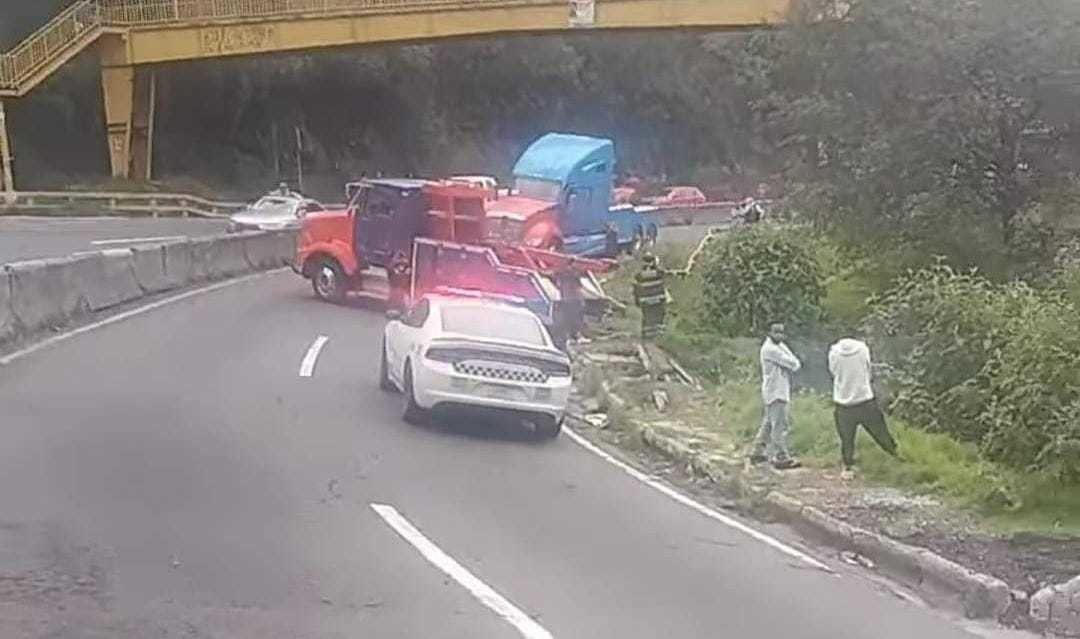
(85, 16)
(143, 204)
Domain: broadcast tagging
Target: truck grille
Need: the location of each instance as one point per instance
(494, 371)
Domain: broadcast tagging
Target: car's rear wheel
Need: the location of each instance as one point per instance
(384, 373)
(412, 413)
(546, 426)
(328, 281)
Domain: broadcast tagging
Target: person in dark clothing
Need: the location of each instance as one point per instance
(571, 315)
(611, 241)
(399, 277)
(650, 294)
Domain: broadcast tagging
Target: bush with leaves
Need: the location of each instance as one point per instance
(941, 327)
(756, 276)
(995, 365)
(1032, 416)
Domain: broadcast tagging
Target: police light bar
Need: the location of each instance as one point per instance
(452, 291)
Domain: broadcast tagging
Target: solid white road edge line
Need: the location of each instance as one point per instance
(119, 317)
(484, 593)
(701, 508)
(136, 240)
(307, 365)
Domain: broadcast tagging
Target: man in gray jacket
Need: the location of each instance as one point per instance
(853, 396)
(778, 364)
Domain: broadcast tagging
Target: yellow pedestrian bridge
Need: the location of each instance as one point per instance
(131, 36)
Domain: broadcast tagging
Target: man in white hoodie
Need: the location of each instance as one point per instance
(778, 364)
(853, 396)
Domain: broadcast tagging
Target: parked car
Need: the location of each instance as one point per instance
(680, 196)
(273, 212)
(622, 195)
(474, 352)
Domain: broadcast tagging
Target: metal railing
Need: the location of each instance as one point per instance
(138, 204)
(140, 12)
(80, 20)
(61, 33)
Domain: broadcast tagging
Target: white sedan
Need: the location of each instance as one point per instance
(448, 351)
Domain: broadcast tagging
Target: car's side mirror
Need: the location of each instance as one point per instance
(393, 315)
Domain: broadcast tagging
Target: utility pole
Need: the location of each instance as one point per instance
(276, 152)
(299, 161)
(5, 155)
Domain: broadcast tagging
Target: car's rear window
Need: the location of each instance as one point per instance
(492, 323)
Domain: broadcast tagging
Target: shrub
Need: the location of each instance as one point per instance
(756, 276)
(994, 365)
(940, 327)
(1032, 417)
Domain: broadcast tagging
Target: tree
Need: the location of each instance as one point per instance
(918, 120)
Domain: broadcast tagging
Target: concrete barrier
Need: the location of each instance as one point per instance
(39, 294)
(268, 250)
(148, 262)
(217, 257)
(108, 279)
(178, 263)
(7, 317)
(286, 245)
(46, 293)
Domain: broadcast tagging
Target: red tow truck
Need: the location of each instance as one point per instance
(440, 229)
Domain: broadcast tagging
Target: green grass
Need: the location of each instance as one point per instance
(934, 464)
(1003, 499)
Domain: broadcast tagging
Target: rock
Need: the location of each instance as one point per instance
(598, 420)
(855, 559)
(660, 399)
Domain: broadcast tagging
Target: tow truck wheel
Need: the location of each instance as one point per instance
(546, 426)
(384, 374)
(412, 413)
(328, 281)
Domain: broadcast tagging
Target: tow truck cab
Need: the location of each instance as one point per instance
(383, 217)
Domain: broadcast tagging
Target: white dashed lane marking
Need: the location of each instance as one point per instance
(524, 624)
(307, 365)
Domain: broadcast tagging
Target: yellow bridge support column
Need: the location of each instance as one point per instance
(6, 176)
(130, 101)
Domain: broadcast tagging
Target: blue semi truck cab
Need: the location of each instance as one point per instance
(562, 198)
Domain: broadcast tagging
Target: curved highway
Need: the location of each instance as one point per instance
(175, 475)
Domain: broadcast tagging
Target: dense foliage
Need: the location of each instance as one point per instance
(996, 365)
(941, 124)
(753, 277)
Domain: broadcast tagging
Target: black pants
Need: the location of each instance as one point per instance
(869, 415)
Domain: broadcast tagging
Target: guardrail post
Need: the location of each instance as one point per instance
(5, 156)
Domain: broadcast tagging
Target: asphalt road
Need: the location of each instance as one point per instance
(173, 475)
(32, 237)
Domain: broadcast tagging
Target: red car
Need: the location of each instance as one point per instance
(680, 196)
(623, 195)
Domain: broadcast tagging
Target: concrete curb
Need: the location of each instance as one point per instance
(1056, 609)
(941, 581)
(945, 582)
